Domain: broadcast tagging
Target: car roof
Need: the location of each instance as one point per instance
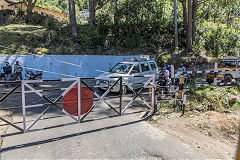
(136, 60)
(231, 58)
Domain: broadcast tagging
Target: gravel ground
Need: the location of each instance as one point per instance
(211, 133)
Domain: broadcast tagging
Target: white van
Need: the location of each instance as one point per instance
(130, 67)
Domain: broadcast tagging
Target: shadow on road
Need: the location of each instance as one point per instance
(67, 136)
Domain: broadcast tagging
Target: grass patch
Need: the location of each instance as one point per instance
(166, 107)
(22, 29)
(209, 133)
(152, 121)
(188, 113)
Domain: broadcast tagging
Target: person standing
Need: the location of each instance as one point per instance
(18, 71)
(167, 78)
(168, 67)
(182, 68)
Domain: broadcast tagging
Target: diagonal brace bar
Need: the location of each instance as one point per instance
(100, 99)
(10, 92)
(137, 94)
(11, 124)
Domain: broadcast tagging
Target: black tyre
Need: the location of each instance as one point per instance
(209, 81)
(227, 79)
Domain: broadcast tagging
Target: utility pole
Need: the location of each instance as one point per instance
(175, 24)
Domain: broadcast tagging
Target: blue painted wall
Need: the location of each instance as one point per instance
(65, 66)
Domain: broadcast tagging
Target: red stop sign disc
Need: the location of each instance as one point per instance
(70, 100)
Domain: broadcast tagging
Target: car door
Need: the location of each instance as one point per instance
(145, 71)
(136, 71)
(153, 67)
(234, 66)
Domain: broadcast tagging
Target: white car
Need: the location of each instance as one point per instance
(129, 68)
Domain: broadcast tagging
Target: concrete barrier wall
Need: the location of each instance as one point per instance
(65, 66)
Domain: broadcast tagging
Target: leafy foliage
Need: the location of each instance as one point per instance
(218, 40)
(148, 25)
(213, 98)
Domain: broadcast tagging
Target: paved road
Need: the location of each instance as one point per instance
(112, 138)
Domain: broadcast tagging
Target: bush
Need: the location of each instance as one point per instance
(52, 24)
(89, 37)
(132, 42)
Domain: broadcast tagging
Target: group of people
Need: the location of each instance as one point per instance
(164, 78)
(166, 71)
(17, 71)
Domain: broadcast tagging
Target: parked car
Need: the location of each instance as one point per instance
(228, 69)
(128, 69)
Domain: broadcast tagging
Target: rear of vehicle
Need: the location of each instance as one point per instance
(228, 69)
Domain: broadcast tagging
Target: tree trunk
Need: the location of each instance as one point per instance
(29, 13)
(72, 17)
(115, 11)
(185, 21)
(30, 6)
(175, 24)
(194, 17)
(190, 30)
(92, 12)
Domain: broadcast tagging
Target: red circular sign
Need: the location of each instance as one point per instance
(70, 100)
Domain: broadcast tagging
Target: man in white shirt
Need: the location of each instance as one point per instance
(182, 68)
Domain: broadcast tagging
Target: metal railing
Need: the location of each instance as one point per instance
(30, 87)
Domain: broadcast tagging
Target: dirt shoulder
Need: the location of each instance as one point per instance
(3, 127)
(212, 133)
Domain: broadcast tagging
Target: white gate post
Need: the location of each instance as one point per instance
(153, 91)
(79, 100)
(23, 105)
(215, 73)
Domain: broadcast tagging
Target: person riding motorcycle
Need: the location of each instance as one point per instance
(7, 69)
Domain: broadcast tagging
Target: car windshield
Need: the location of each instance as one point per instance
(227, 64)
(121, 68)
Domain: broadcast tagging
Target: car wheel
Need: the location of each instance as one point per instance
(209, 81)
(100, 89)
(227, 79)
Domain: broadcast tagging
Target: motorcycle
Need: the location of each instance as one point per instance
(2, 76)
(30, 75)
(163, 82)
(161, 79)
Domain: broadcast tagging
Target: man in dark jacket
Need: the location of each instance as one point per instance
(7, 69)
(17, 71)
